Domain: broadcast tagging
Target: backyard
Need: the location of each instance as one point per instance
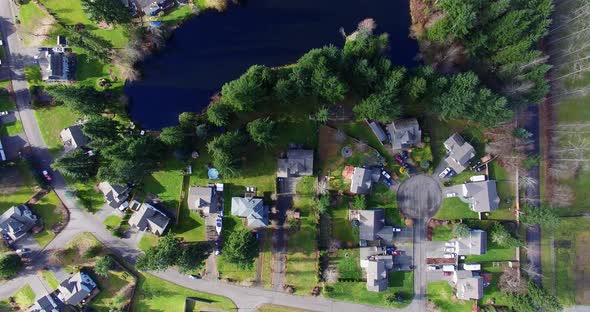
(443, 296)
(49, 210)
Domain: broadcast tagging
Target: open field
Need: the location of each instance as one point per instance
(443, 296)
(47, 210)
(52, 120)
(17, 185)
(25, 297)
(36, 25)
(50, 279)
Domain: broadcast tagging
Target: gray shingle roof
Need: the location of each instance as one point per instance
(17, 221)
(376, 276)
(460, 152)
(469, 287)
(76, 288)
(252, 209)
(361, 181)
(149, 218)
(299, 162)
(474, 244)
(57, 64)
(202, 198)
(372, 226)
(404, 133)
(73, 137)
(482, 195)
(378, 131)
(45, 304)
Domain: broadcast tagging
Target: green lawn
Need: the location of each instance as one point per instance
(32, 20)
(25, 190)
(443, 296)
(11, 129)
(155, 295)
(399, 282)
(114, 292)
(89, 197)
(6, 102)
(112, 221)
(494, 253)
(453, 208)
(228, 270)
(506, 191)
(52, 120)
(50, 279)
(348, 263)
(147, 241)
(342, 230)
(46, 210)
(442, 233)
(493, 292)
(276, 308)
(302, 251)
(25, 297)
(382, 197)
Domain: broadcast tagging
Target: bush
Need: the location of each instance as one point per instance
(10, 264)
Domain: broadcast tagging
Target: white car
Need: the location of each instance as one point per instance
(449, 255)
(449, 249)
(385, 174)
(22, 250)
(451, 195)
(4, 113)
(449, 244)
(432, 268)
(444, 173)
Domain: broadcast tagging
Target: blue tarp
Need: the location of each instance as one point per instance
(213, 174)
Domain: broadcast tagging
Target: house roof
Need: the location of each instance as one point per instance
(17, 221)
(76, 288)
(372, 225)
(376, 275)
(469, 288)
(57, 64)
(482, 195)
(474, 244)
(202, 198)
(299, 162)
(114, 195)
(149, 218)
(404, 133)
(459, 152)
(361, 181)
(45, 304)
(252, 209)
(378, 131)
(73, 137)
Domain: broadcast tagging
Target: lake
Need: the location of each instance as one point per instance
(213, 48)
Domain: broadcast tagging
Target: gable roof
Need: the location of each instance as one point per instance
(469, 287)
(459, 152)
(378, 131)
(17, 221)
(372, 225)
(74, 289)
(474, 244)
(202, 198)
(361, 181)
(57, 64)
(299, 162)
(114, 195)
(149, 218)
(404, 133)
(73, 137)
(482, 195)
(252, 209)
(376, 275)
(45, 304)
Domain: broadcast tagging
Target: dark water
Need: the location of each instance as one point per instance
(214, 48)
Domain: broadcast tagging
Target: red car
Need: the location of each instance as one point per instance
(399, 159)
(46, 175)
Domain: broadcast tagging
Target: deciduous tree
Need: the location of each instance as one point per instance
(461, 230)
(103, 265)
(241, 248)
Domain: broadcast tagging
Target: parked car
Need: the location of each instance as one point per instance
(447, 244)
(451, 194)
(444, 173)
(193, 276)
(449, 255)
(4, 113)
(406, 165)
(405, 155)
(447, 273)
(480, 168)
(22, 250)
(397, 229)
(398, 158)
(386, 174)
(46, 175)
(451, 173)
(433, 267)
(387, 182)
(450, 249)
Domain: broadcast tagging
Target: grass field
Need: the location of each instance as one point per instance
(156, 295)
(50, 279)
(34, 22)
(442, 233)
(342, 230)
(25, 187)
(348, 263)
(25, 297)
(453, 208)
(114, 291)
(493, 292)
(229, 270)
(10, 129)
(302, 250)
(443, 296)
(147, 241)
(399, 282)
(52, 120)
(46, 210)
(6, 102)
(112, 221)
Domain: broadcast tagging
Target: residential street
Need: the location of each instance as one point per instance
(246, 299)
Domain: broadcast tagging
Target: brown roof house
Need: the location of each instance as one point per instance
(76, 289)
(361, 181)
(73, 137)
(372, 226)
(203, 198)
(475, 243)
(482, 196)
(459, 153)
(149, 218)
(404, 133)
(252, 209)
(467, 285)
(17, 221)
(299, 162)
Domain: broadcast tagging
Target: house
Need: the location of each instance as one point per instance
(115, 195)
(76, 289)
(404, 133)
(377, 266)
(46, 304)
(203, 198)
(73, 137)
(378, 131)
(57, 64)
(482, 196)
(299, 162)
(252, 209)
(149, 218)
(474, 244)
(17, 221)
(459, 153)
(372, 226)
(361, 181)
(467, 285)
(153, 8)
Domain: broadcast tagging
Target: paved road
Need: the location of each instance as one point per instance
(246, 299)
(419, 197)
